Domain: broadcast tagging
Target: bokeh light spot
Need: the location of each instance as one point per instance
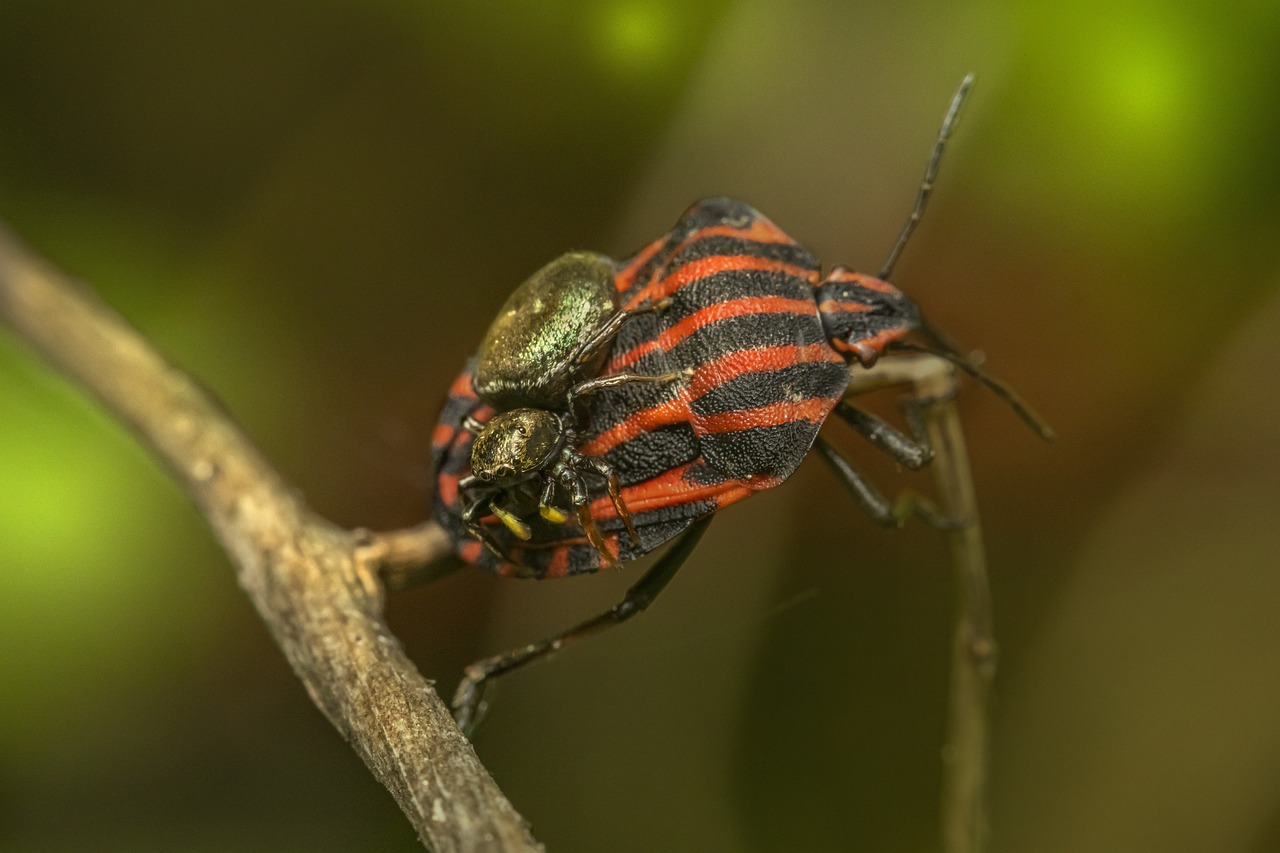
(1146, 92)
(634, 39)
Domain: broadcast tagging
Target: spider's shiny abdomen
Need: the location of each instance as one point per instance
(526, 357)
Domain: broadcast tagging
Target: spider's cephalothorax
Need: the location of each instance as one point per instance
(537, 362)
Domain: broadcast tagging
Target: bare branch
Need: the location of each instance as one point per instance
(973, 648)
(316, 586)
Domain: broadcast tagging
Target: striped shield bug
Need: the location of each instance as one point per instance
(752, 347)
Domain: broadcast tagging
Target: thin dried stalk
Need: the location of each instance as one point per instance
(973, 648)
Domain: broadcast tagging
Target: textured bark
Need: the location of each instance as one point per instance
(317, 587)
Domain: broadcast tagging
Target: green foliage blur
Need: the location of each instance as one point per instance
(316, 208)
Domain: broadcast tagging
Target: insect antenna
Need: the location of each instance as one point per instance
(930, 173)
(947, 351)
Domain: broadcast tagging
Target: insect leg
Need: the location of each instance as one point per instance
(907, 504)
(911, 453)
(468, 704)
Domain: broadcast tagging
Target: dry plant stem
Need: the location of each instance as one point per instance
(973, 650)
(316, 586)
(409, 557)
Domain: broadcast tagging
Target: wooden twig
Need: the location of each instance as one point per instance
(316, 586)
(973, 648)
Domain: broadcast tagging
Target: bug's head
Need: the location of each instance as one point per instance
(515, 445)
(863, 315)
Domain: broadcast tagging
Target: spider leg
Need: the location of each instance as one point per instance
(603, 337)
(567, 473)
(600, 383)
(479, 499)
(605, 470)
(546, 508)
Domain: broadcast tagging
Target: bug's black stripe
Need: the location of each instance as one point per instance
(706, 213)
(757, 389)
(653, 453)
(717, 289)
(750, 331)
(773, 451)
(710, 212)
(655, 529)
(650, 268)
(729, 285)
(583, 559)
(721, 245)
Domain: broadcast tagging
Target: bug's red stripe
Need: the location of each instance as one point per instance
(876, 342)
(470, 550)
(626, 276)
(837, 306)
(703, 267)
(447, 488)
(461, 386)
(713, 374)
(664, 414)
(668, 338)
(559, 565)
(665, 490)
(443, 435)
(672, 488)
(734, 492)
(707, 378)
(862, 280)
(814, 410)
(761, 230)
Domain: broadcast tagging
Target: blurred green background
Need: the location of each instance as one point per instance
(316, 208)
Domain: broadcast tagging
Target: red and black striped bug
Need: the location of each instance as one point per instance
(761, 344)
